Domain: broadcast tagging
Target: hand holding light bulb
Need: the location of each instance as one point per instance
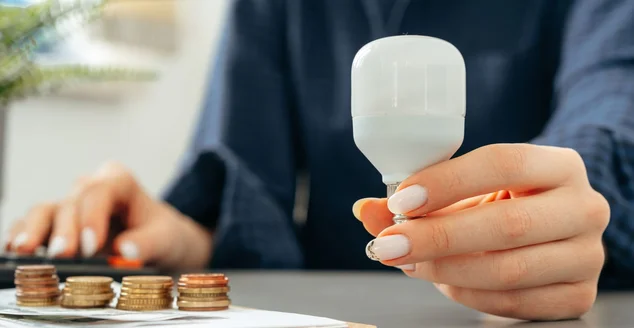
(513, 230)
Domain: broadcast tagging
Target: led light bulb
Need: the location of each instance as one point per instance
(408, 105)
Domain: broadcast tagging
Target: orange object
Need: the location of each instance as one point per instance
(121, 262)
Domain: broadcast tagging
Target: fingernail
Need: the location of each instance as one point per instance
(129, 250)
(20, 240)
(388, 247)
(88, 242)
(57, 246)
(356, 208)
(407, 200)
(407, 267)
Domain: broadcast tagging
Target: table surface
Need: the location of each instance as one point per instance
(393, 300)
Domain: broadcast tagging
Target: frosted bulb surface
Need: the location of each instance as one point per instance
(408, 102)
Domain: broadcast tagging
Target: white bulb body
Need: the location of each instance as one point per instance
(399, 146)
(408, 103)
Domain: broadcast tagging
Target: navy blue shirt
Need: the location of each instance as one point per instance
(278, 105)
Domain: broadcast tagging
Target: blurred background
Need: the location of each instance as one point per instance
(51, 140)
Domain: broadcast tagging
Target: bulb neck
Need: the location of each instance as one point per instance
(391, 190)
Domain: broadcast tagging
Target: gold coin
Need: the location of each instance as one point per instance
(151, 301)
(206, 299)
(142, 307)
(87, 291)
(38, 299)
(200, 309)
(96, 297)
(148, 279)
(211, 304)
(187, 290)
(35, 304)
(151, 291)
(201, 295)
(167, 285)
(82, 303)
(89, 280)
(144, 296)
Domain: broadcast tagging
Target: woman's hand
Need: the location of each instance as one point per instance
(151, 231)
(536, 255)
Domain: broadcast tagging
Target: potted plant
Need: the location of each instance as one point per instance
(24, 28)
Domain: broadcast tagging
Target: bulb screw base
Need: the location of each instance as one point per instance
(391, 190)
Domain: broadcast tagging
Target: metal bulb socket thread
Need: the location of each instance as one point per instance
(391, 190)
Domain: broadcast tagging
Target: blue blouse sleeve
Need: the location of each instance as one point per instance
(239, 176)
(594, 114)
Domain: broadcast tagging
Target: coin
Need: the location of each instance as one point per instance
(145, 296)
(96, 297)
(37, 296)
(146, 285)
(148, 279)
(88, 281)
(201, 295)
(152, 291)
(87, 291)
(143, 307)
(201, 309)
(152, 302)
(209, 304)
(73, 303)
(187, 290)
(222, 297)
(36, 304)
(203, 277)
(35, 268)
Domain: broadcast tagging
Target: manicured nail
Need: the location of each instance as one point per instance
(20, 240)
(129, 250)
(56, 246)
(407, 200)
(388, 248)
(407, 267)
(88, 242)
(356, 208)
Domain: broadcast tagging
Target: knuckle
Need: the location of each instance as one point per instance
(508, 161)
(509, 304)
(583, 301)
(512, 270)
(514, 222)
(574, 161)
(597, 210)
(439, 237)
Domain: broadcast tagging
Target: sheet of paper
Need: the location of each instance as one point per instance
(13, 316)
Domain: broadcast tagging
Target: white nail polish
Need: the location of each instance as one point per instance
(56, 246)
(20, 240)
(407, 267)
(129, 250)
(388, 248)
(407, 200)
(88, 242)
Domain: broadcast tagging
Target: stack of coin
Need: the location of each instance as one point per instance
(36, 285)
(87, 292)
(203, 292)
(146, 293)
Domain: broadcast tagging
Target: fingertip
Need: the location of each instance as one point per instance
(88, 242)
(129, 250)
(358, 206)
(20, 240)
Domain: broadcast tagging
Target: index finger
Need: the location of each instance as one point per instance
(519, 168)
